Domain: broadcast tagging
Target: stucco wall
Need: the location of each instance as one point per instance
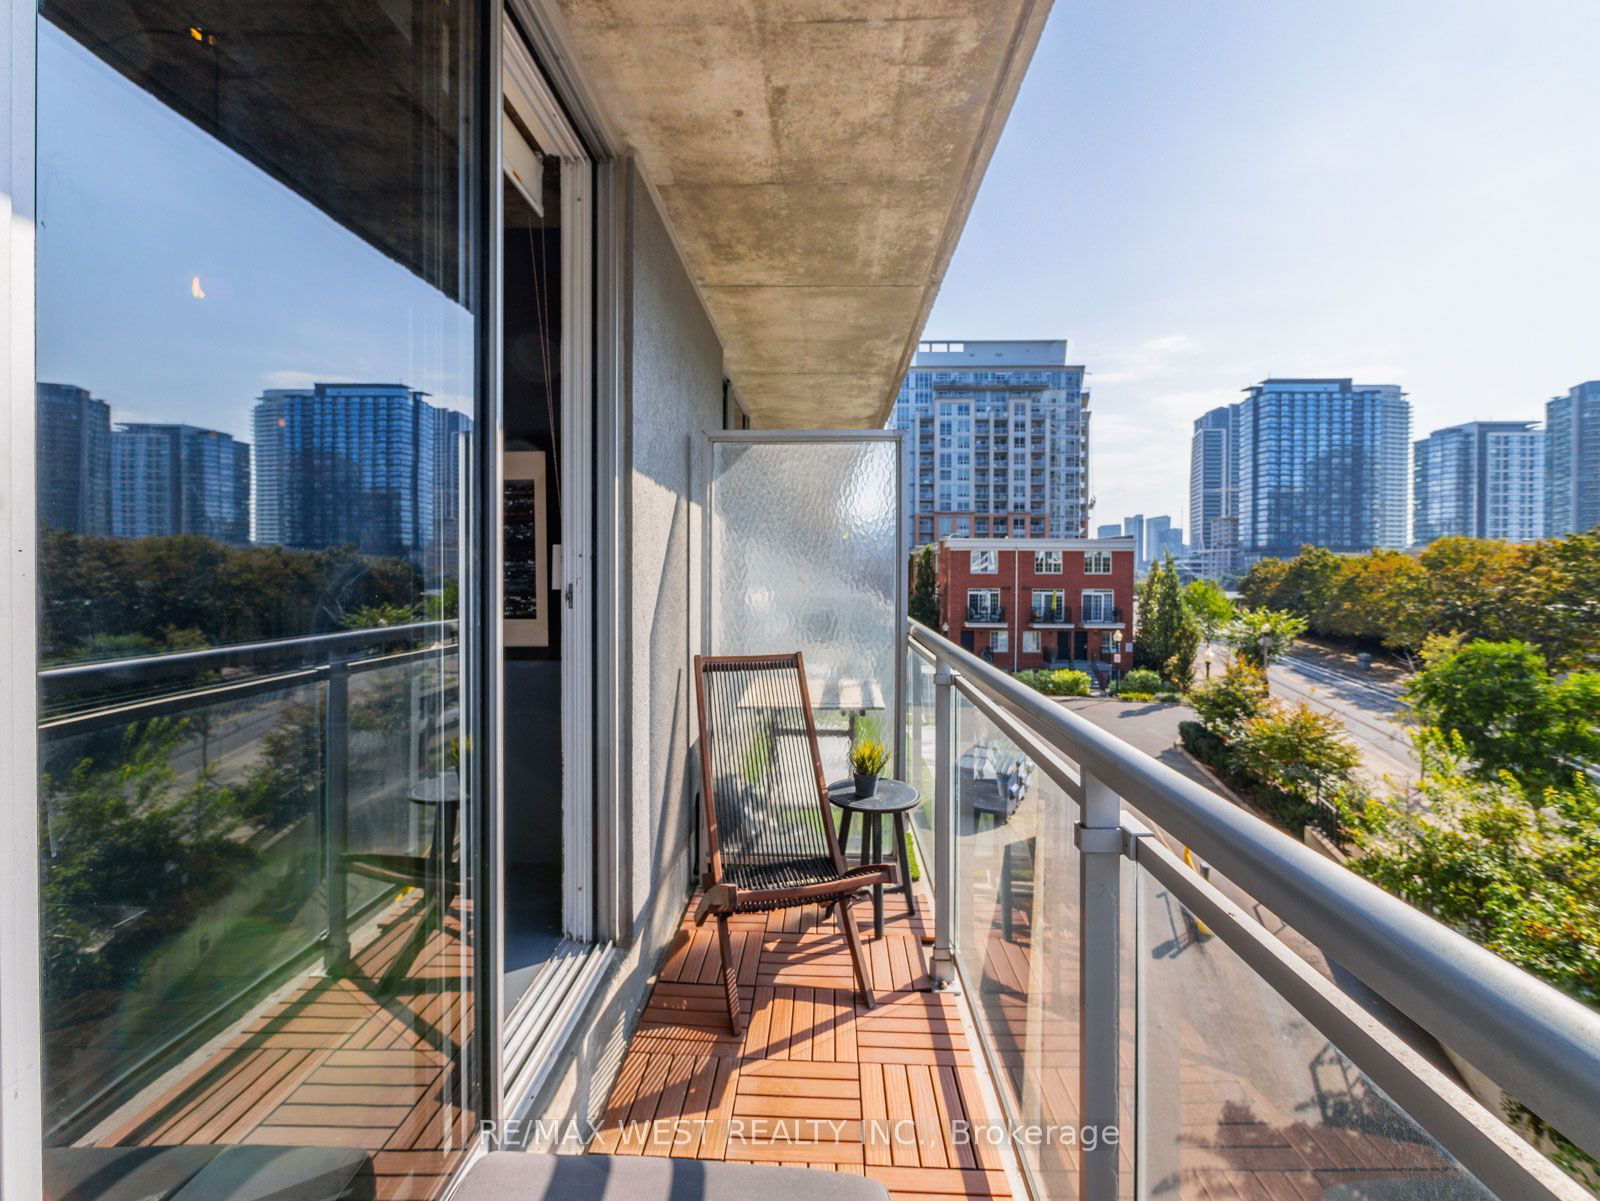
(674, 393)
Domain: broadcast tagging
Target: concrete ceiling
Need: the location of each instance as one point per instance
(817, 160)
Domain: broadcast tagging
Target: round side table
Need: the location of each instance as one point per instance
(893, 799)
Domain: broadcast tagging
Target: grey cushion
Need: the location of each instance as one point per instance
(121, 1173)
(207, 1174)
(513, 1176)
(283, 1174)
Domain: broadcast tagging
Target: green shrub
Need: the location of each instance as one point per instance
(1136, 696)
(1299, 765)
(1236, 696)
(1141, 679)
(1056, 683)
(1168, 698)
(1201, 743)
(1511, 866)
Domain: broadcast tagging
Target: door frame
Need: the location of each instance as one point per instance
(21, 1104)
(528, 94)
(527, 1042)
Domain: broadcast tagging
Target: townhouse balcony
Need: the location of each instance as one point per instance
(1103, 618)
(986, 615)
(1046, 616)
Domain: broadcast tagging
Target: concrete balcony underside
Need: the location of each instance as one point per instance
(817, 163)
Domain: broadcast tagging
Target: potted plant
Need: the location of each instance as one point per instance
(868, 758)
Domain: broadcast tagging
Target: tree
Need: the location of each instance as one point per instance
(1236, 696)
(187, 589)
(1208, 607)
(1509, 713)
(1511, 866)
(1553, 588)
(118, 840)
(1259, 587)
(1262, 636)
(924, 590)
(1167, 639)
(1310, 588)
(1301, 755)
(1381, 597)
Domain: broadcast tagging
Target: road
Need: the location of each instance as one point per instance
(1153, 729)
(1371, 710)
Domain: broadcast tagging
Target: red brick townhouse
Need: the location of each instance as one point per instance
(1032, 602)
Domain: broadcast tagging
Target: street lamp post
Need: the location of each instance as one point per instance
(1210, 656)
(1116, 653)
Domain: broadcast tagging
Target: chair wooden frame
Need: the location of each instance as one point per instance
(723, 898)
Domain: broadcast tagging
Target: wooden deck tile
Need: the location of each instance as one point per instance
(817, 1079)
(332, 1061)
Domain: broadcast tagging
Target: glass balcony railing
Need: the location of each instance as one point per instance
(1171, 1045)
(238, 821)
(986, 614)
(1101, 616)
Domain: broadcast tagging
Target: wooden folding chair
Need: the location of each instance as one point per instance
(769, 826)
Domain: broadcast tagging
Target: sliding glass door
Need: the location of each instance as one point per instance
(261, 281)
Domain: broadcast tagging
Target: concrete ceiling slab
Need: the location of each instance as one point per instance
(816, 159)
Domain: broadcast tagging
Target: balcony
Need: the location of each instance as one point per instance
(1103, 617)
(986, 615)
(1051, 615)
(311, 1001)
(1069, 970)
(1054, 855)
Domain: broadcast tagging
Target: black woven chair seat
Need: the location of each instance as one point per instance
(778, 873)
(769, 828)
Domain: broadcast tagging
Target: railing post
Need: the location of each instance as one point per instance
(336, 814)
(942, 965)
(1099, 838)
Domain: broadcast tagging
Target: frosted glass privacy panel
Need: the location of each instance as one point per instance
(805, 555)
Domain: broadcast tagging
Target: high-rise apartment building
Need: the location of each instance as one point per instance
(355, 464)
(179, 479)
(1114, 530)
(1161, 538)
(1484, 479)
(1133, 527)
(73, 460)
(1214, 494)
(999, 441)
(1572, 460)
(1322, 462)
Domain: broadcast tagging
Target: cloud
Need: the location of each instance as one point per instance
(1171, 344)
(292, 379)
(1150, 359)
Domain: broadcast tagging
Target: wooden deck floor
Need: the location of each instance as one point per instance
(358, 1061)
(817, 1079)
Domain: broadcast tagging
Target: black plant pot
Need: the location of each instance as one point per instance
(866, 784)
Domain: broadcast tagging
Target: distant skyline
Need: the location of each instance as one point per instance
(1198, 197)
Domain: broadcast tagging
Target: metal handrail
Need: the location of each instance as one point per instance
(245, 652)
(1540, 1045)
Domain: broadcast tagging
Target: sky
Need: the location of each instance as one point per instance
(1198, 195)
(176, 281)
